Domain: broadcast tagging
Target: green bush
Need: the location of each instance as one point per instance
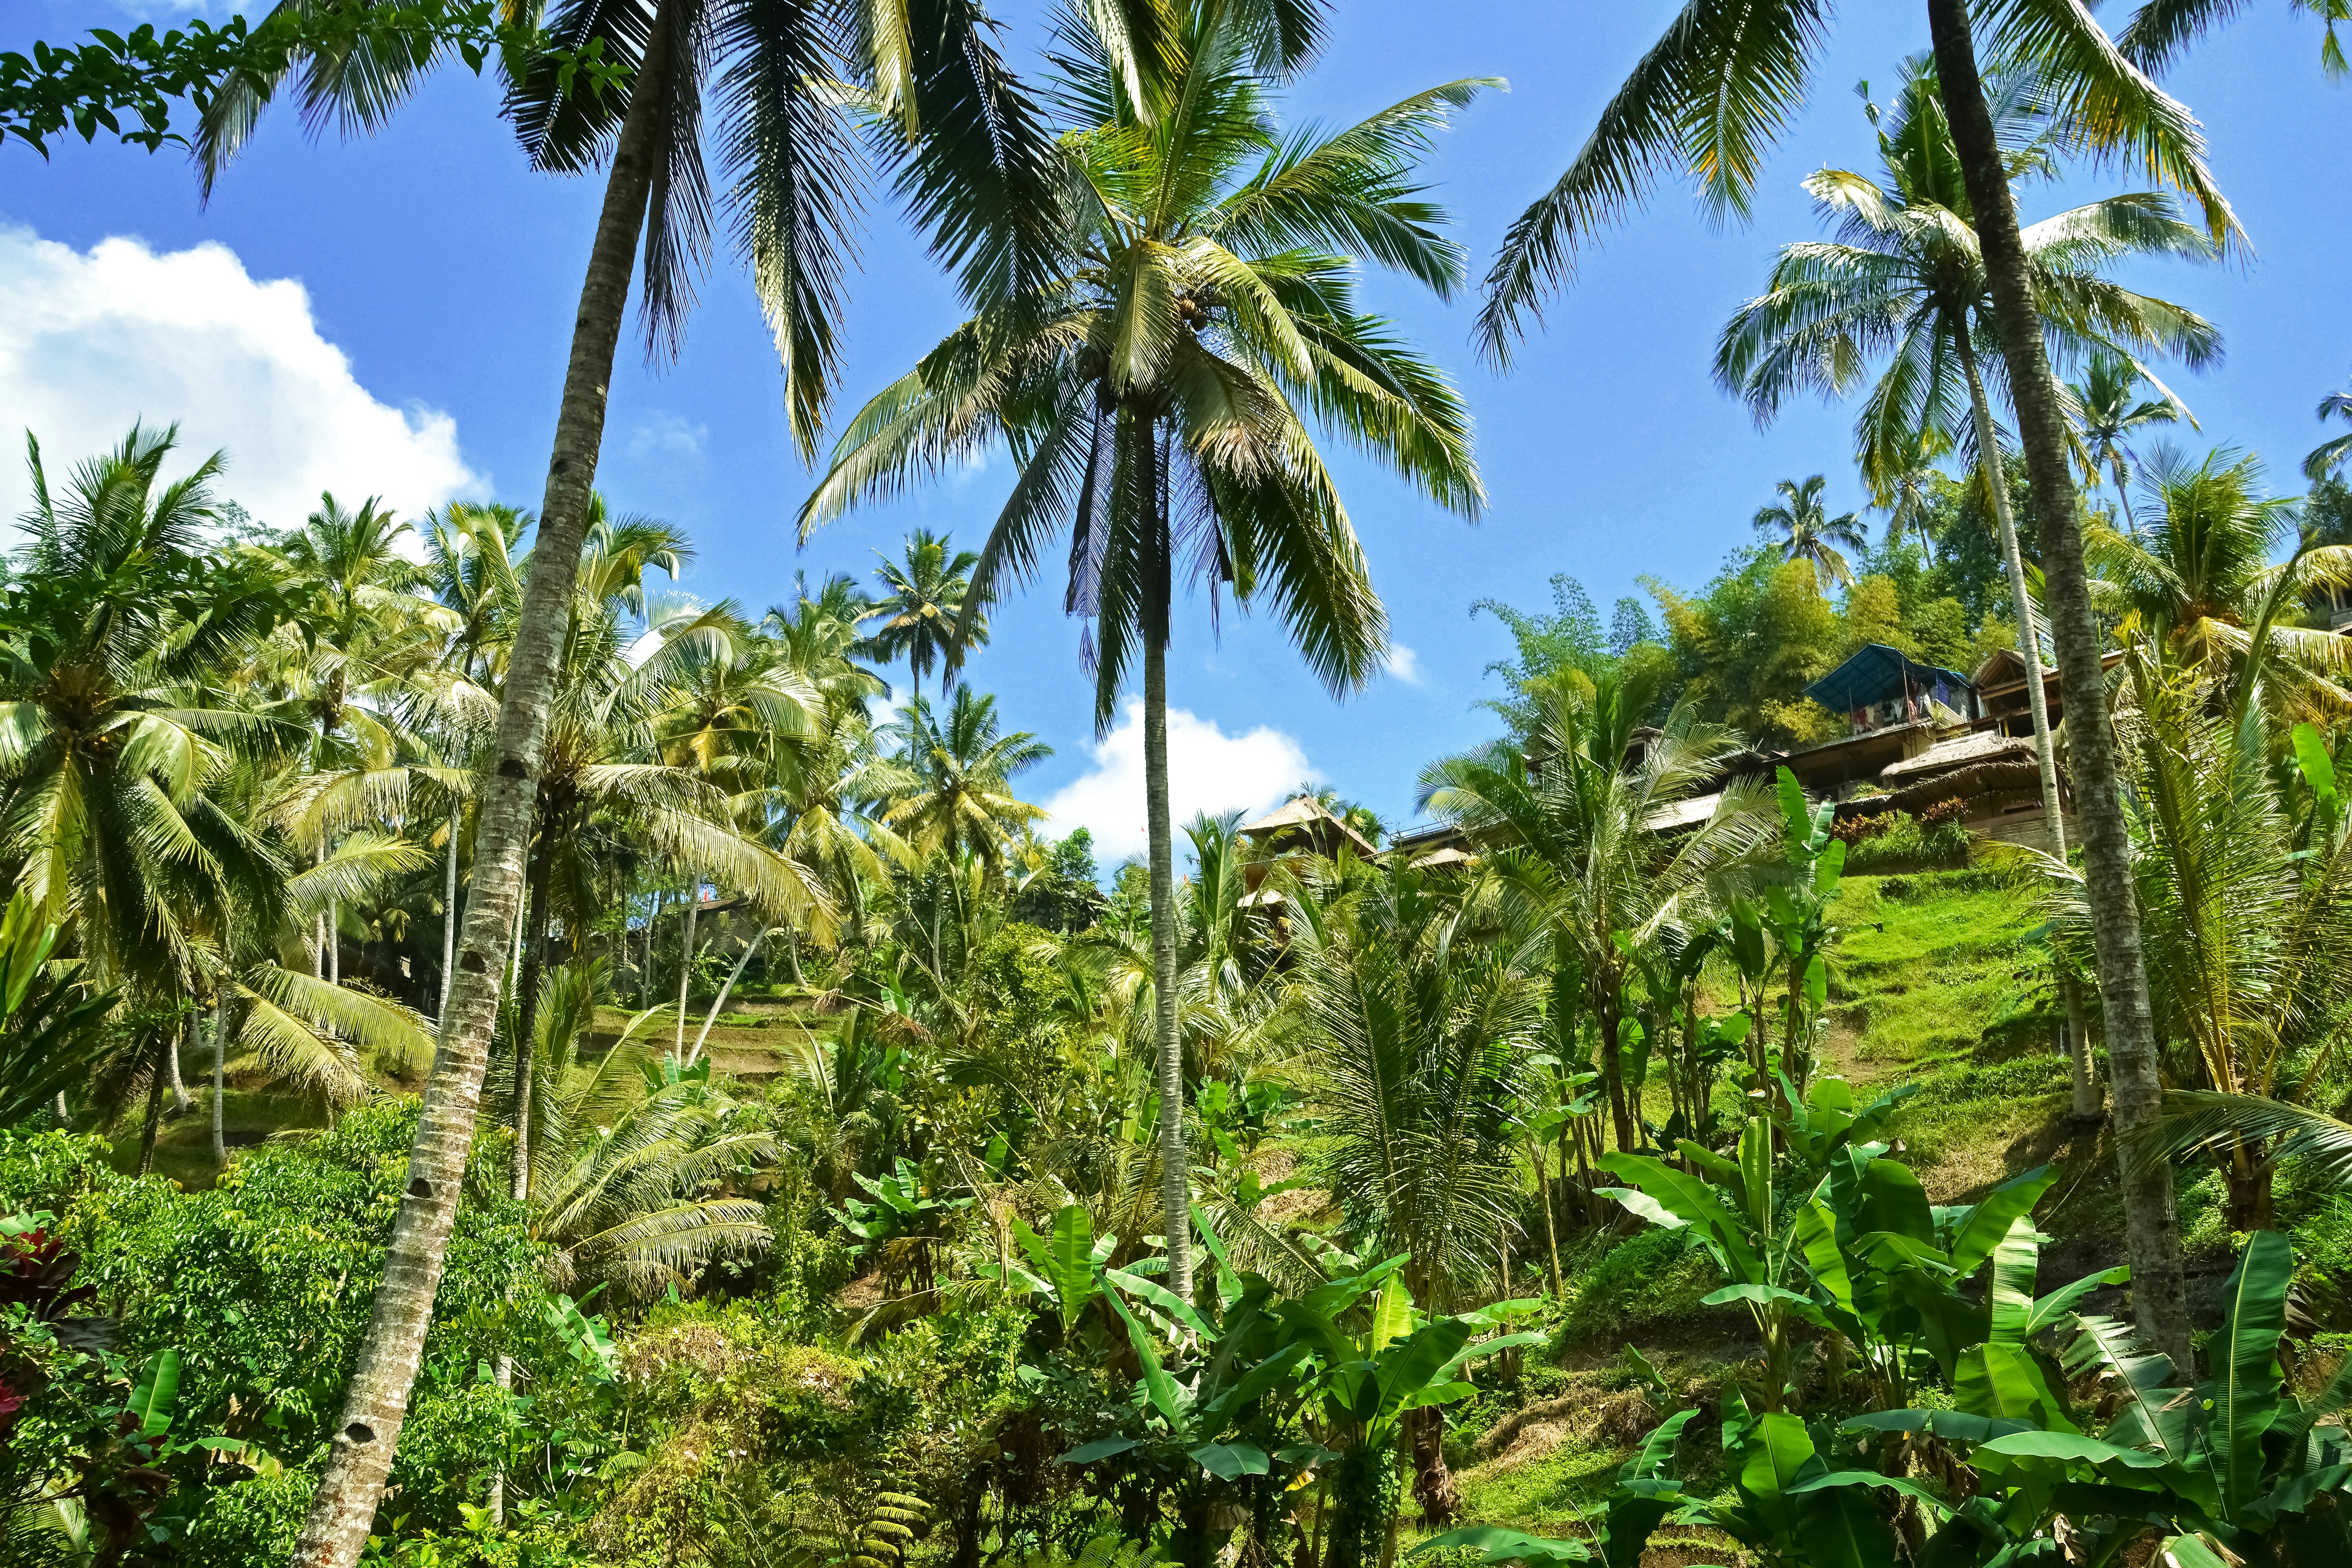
(1896, 840)
(1650, 1279)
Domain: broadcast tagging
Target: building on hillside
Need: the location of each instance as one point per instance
(1305, 824)
(1895, 707)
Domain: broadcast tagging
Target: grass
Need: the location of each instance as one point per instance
(1933, 962)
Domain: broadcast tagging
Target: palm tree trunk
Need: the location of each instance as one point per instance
(2029, 643)
(180, 1101)
(375, 1402)
(685, 963)
(526, 1042)
(2151, 1227)
(733, 976)
(448, 917)
(1551, 1226)
(1175, 1169)
(1612, 1075)
(319, 925)
(334, 940)
(157, 1047)
(220, 1078)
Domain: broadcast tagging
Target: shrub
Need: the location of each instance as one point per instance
(1944, 810)
(1650, 1279)
(1898, 840)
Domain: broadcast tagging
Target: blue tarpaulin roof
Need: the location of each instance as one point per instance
(1878, 673)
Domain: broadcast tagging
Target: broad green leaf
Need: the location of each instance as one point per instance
(1157, 1387)
(1656, 1448)
(2003, 1381)
(1407, 1367)
(1989, 1222)
(1229, 1461)
(1816, 1230)
(1756, 1174)
(1686, 1195)
(1844, 1527)
(1827, 869)
(157, 1390)
(1392, 1315)
(1771, 1462)
(2045, 1445)
(1162, 1299)
(1795, 813)
(1101, 1448)
(1494, 1544)
(2245, 1362)
(1836, 1478)
(2014, 1264)
(1894, 1201)
(2191, 1551)
(2059, 1303)
(2310, 757)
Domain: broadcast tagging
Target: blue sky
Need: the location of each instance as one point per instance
(396, 312)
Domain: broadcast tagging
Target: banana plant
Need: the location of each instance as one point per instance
(1766, 1250)
(1796, 910)
(2233, 1470)
(903, 1226)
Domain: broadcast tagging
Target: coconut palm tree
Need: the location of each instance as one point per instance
(977, 172)
(955, 792)
(1426, 1040)
(1904, 281)
(1708, 99)
(631, 1154)
(118, 613)
(2246, 900)
(2198, 576)
(1570, 821)
(1906, 488)
(1157, 393)
(2328, 454)
(2108, 410)
(1807, 532)
(921, 609)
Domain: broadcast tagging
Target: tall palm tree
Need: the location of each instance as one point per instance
(2243, 889)
(2109, 410)
(1904, 281)
(2197, 576)
(116, 615)
(1575, 848)
(955, 792)
(1156, 393)
(1906, 486)
(976, 171)
(2328, 454)
(1708, 99)
(1808, 533)
(921, 609)
(1426, 1040)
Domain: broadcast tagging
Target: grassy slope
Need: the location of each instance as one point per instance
(1935, 982)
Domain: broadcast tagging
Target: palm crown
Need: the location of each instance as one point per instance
(1903, 282)
(922, 608)
(1808, 533)
(1157, 390)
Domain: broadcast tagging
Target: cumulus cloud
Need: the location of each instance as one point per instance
(1208, 770)
(1404, 664)
(91, 340)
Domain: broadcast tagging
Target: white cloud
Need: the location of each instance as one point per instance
(1208, 770)
(91, 341)
(1404, 664)
(672, 435)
